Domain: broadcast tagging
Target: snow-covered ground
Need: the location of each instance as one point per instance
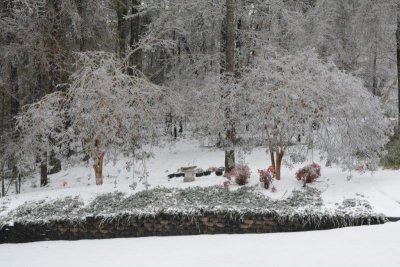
(354, 246)
(381, 188)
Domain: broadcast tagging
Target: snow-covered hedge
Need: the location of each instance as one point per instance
(305, 206)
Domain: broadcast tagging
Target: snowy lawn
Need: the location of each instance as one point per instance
(381, 188)
(354, 246)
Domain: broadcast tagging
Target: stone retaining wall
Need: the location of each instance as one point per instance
(163, 225)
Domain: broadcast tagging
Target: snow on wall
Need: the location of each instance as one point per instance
(171, 211)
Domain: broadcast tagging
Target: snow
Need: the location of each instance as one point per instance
(354, 246)
(381, 188)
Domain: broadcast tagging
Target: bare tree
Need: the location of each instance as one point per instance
(230, 72)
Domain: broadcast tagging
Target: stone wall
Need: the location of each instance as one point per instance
(165, 225)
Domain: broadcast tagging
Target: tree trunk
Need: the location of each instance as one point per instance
(229, 160)
(136, 58)
(230, 37)
(175, 132)
(374, 76)
(17, 180)
(3, 111)
(374, 70)
(44, 83)
(55, 163)
(98, 168)
(230, 154)
(238, 46)
(2, 132)
(3, 187)
(398, 58)
(279, 157)
(81, 8)
(122, 11)
(271, 154)
(180, 127)
(14, 103)
(43, 173)
(230, 69)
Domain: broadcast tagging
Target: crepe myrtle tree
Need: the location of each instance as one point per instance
(109, 108)
(103, 108)
(301, 103)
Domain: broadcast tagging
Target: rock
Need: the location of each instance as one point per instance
(250, 222)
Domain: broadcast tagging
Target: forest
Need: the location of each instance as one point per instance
(81, 80)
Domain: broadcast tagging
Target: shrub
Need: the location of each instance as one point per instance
(227, 183)
(267, 176)
(392, 159)
(241, 174)
(309, 173)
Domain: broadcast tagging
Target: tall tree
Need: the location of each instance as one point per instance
(398, 58)
(121, 6)
(230, 73)
(135, 58)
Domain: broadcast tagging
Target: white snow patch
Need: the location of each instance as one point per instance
(354, 246)
(381, 188)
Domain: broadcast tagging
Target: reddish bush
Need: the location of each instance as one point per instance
(267, 176)
(360, 168)
(241, 174)
(309, 173)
